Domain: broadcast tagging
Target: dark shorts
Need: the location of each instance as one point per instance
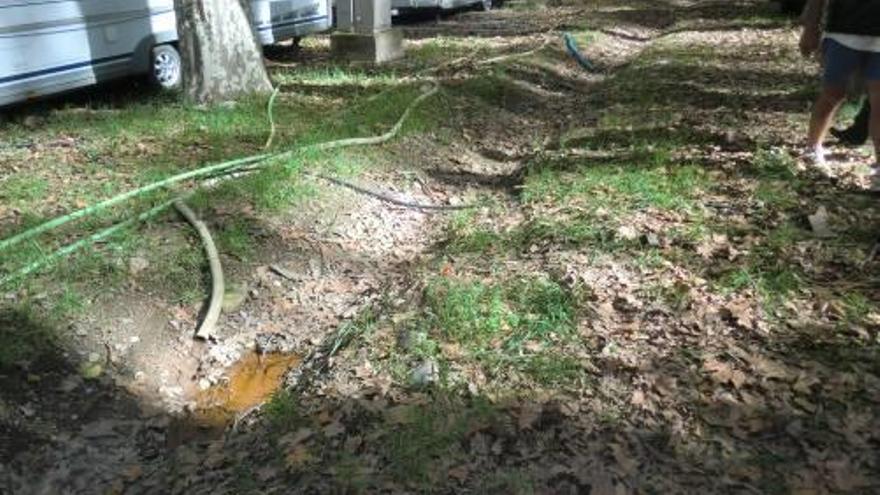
(842, 62)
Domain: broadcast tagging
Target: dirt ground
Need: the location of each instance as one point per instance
(647, 298)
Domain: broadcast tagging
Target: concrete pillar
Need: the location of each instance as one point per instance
(364, 32)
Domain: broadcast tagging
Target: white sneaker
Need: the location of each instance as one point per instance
(815, 159)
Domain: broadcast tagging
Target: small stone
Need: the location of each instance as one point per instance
(651, 239)
(69, 384)
(137, 264)
(426, 373)
(627, 233)
(134, 339)
(91, 371)
(94, 357)
(32, 122)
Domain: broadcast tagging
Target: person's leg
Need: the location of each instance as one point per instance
(824, 109)
(841, 63)
(874, 97)
(872, 76)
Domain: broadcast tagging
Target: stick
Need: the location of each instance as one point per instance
(390, 199)
(208, 326)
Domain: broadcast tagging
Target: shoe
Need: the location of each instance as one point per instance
(849, 137)
(874, 170)
(815, 159)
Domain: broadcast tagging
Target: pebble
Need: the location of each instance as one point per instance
(426, 373)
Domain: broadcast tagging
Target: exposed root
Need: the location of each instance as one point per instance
(208, 326)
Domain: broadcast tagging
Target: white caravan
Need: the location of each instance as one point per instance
(50, 46)
(400, 6)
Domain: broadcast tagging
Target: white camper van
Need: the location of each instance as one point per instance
(401, 6)
(50, 46)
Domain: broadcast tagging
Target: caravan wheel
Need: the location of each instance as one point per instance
(166, 69)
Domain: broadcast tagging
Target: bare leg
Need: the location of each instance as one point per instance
(874, 95)
(823, 113)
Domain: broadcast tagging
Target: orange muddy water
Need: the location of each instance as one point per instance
(252, 381)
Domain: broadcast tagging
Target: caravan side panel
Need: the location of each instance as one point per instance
(278, 20)
(51, 46)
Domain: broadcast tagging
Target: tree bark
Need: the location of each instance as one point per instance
(220, 54)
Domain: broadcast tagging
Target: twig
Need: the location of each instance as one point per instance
(269, 108)
(871, 255)
(389, 199)
(207, 327)
(282, 272)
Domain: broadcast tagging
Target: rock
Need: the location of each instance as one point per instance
(651, 239)
(269, 343)
(32, 122)
(426, 373)
(627, 233)
(70, 383)
(91, 371)
(137, 264)
(819, 223)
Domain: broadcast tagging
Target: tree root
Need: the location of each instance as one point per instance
(269, 107)
(207, 328)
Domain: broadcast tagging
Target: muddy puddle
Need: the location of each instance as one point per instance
(251, 382)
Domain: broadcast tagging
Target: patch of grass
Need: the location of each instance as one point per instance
(235, 237)
(180, 272)
(552, 369)
(543, 310)
(619, 187)
(425, 444)
(502, 327)
(773, 164)
(24, 337)
(22, 188)
(856, 307)
(351, 330)
(467, 312)
(767, 269)
(508, 482)
(283, 411)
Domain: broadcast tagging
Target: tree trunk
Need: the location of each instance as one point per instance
(221, 57)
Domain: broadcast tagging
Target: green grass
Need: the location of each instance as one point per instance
(283, 411)
(26, 337)
(505, 327)
(767, 269)
(426, 443)
(22, 188)
(507, 482)
(235, 237)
